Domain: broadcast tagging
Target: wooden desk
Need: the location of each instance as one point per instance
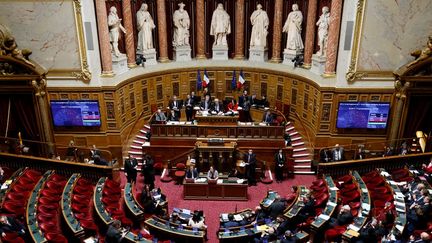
(226, 190)
(329, 209)
(171, 231)
(216, 120)
(131, 202)
(13, 179)
(66, 202)
(97, 202)
(299, 204)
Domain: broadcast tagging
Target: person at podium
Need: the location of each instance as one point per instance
(189, 104)
(191, 173)
(243, 98)
(216, 108)
(212, 174)
(206, 104)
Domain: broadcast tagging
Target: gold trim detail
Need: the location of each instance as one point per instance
(353, 73)
(85, 73)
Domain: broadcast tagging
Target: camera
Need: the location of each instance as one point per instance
(298, 60)
(140, 60)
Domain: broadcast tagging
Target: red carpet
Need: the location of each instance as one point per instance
(212, 209)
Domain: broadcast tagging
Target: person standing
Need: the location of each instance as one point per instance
(176, 105)
(338, 153)
(250, 160)
(148, 171)
(189, 105)
(130, 168)
(279, 160)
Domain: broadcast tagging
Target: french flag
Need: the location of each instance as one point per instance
(206, 79)
(241, 80)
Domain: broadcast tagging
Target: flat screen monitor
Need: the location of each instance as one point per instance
(75, 113)
(370, 115)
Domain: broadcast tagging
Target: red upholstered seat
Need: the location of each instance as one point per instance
(13, 208)
(88, 224)
(83, 190)
(111, 191)
(58, 178)
(22, 188)
(55, 238)
(109, 201)
(47, 200)
(51, 228)
(19, 196)
(180, 172)
(33, 174)
(354, 205)
(350, 196)
(12, 237)
(46, 217)
(83, 182)
(321, 201)
(46, 210)
(332, 235)
(345, 179)
(83, 216)
(319, 183)
(112, 184)
(51, 194)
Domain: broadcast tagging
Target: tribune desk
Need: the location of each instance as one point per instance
(223, 189)
(214, 119)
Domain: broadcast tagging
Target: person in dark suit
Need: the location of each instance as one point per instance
(250, 160)
(95, 151)
(148, 171)
(71, 152)
(9, 224)
(277, 208)
(206, 104)
(325, 155)
(216, 107)
(173, 116)
(176, 105)
(360, 153)
(191, 173)
(254, 102)
(160, 116)
(288, 237)
(97, 160)
(147, 201)
(267, 117)
(246, 111)
(279, 160)
(263, 102)
(189, 104)
(243, 98)
(388, 151)
(343, 218)
(113, 234)
(338, 153)
(231, 223)
(130, 168)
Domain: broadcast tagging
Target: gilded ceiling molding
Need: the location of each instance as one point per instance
(353, 73)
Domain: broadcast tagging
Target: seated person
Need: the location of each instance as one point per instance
(191, 172)
(388, 151)
(372, 232)
(97, 160)
(173, 116)
(277, 207)
(160, 116)
(288, 237)
(254, 101)
(10, 225)
(197, 222)
(267, 117)
(206, 104)
(232, 107)
(427, 168)
(212, 174)
(113, 234)
(343, 218)
(1, 174)
(216, 108)
(147, 200)
(264, 102)
(175, 218)
(231, 222)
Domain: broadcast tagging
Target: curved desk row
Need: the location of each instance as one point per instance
(8, 184)
(172, 231)
(299, 204)
(32, 202)
(330, 207)
(364, 210)
(399, 203)
(66, 202)
(131, 202)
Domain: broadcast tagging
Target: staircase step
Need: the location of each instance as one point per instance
(143, 131)
(296, 139)
(293, 133)
(142, 137)
(297, 144)
(138, 141)
(300, 155)
(302, 166)
(134, 152)
(287, 129)
(304, 172)
(136, 146)
(302, 160)
(146, 144)
(147, 127)
(299, 149)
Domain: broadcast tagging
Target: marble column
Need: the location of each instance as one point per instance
(277, 32)
(239, 31)
(200, 30)
(162, 31)
(333, 38)
(310, 33)
(104, 40)
(129, 37)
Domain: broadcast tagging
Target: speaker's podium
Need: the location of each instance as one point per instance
(217, 151)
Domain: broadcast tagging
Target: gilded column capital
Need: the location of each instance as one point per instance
(39, 87)
(401, 88)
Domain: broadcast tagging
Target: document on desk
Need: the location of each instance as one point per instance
(353, 227)
(401, 210)
(224, 217)
(238, 217)
(324, 216)
(400, 204)
(334, 188)
(186, 211)
(365, 190)
(331, 204)
(240, 181)
(365, 206)
(219, 181)
(399, 194)
(399, 227)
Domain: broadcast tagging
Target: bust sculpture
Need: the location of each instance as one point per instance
(323, 26)
(260, 23)
(220, 26)
(181, 26)
(114, 24)
(293, 27)
(145, 27)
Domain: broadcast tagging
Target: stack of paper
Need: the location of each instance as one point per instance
(238, 217)
(323, 216)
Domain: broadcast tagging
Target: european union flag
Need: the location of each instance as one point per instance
(199, 81)
(234, 81)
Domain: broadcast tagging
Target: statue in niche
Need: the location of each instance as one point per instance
(220, 26)
(293, 27)
(145, 27)
(323, 26)
(181, 26)
(260, 23)
(114, 24)
(421, 55)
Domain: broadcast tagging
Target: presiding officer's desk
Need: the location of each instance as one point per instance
(222, 189)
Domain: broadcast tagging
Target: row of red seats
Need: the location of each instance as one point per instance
(380, 193)
(81, 205)
(48, 209)
(111, 198)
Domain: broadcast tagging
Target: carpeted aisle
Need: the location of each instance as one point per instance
(212, 209)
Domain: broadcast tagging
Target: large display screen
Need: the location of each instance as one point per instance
(372, 115)
(75, 113)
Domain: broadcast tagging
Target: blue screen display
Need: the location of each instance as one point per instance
(75, 113)
(363, 115)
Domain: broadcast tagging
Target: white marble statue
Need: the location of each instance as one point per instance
(181, 26)
(260, 23)
(220, 26)
(114, 24)
(293, 26)
(323, 26)
(145, 27)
